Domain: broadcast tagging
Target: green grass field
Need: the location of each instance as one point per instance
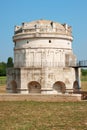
(26, 115)
(84, 78)
(2, 80)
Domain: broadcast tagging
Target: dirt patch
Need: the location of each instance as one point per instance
(84, 85)
(2, 88)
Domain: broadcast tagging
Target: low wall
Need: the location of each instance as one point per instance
(39, 97)
(83, 93)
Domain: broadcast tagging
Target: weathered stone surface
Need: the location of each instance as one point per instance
(42, 59)
(41, 97)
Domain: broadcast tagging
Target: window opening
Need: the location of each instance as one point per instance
(49, 41)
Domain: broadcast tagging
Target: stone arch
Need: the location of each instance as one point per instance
(14, 86)
(34, 87)
(75, 86)
(59, 86)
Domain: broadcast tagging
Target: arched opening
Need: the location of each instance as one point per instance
(34, 87)
(59, 87)
(14, 86)
(75, 86)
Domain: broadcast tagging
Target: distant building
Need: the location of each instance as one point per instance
(43, 59)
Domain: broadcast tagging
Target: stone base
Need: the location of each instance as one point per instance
(49, 91)
(41, 97)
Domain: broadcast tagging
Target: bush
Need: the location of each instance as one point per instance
(84, 72)
(3, 69)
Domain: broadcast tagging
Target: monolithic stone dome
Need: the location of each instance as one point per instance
(46, 28)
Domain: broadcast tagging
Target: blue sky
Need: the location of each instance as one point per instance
(72, 12)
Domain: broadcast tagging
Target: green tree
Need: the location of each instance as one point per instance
(9, 62)
(2, 69)
(84, 72)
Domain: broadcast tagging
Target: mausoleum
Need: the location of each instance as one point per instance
(43, 59)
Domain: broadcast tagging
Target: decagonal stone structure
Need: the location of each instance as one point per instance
(43, 59)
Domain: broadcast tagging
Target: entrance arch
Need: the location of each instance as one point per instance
(14, 86)
(34, 87)
(75, 86)
(59, 87)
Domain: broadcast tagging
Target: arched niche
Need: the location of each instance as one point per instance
(34, 87)
(14, 86)
(59, 86)
(75, 86)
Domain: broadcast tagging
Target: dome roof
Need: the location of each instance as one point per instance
(43, 22)
(44, 26)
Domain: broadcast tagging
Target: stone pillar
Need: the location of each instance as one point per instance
(77, 73)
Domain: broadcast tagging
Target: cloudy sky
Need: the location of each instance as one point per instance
(15, 12)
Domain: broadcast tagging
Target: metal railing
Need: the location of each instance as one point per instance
(83, 63)
(79, 64)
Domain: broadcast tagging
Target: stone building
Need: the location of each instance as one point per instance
(43, 59)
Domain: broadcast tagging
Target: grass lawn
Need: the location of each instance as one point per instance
(2, 80)
(26, 115)
(2, 84)
(84, 78)
(84, 85)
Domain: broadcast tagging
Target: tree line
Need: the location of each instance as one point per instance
(4, 66)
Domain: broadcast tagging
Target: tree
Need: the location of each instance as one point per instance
(9, 62)
(2, 69)
(84, 72)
